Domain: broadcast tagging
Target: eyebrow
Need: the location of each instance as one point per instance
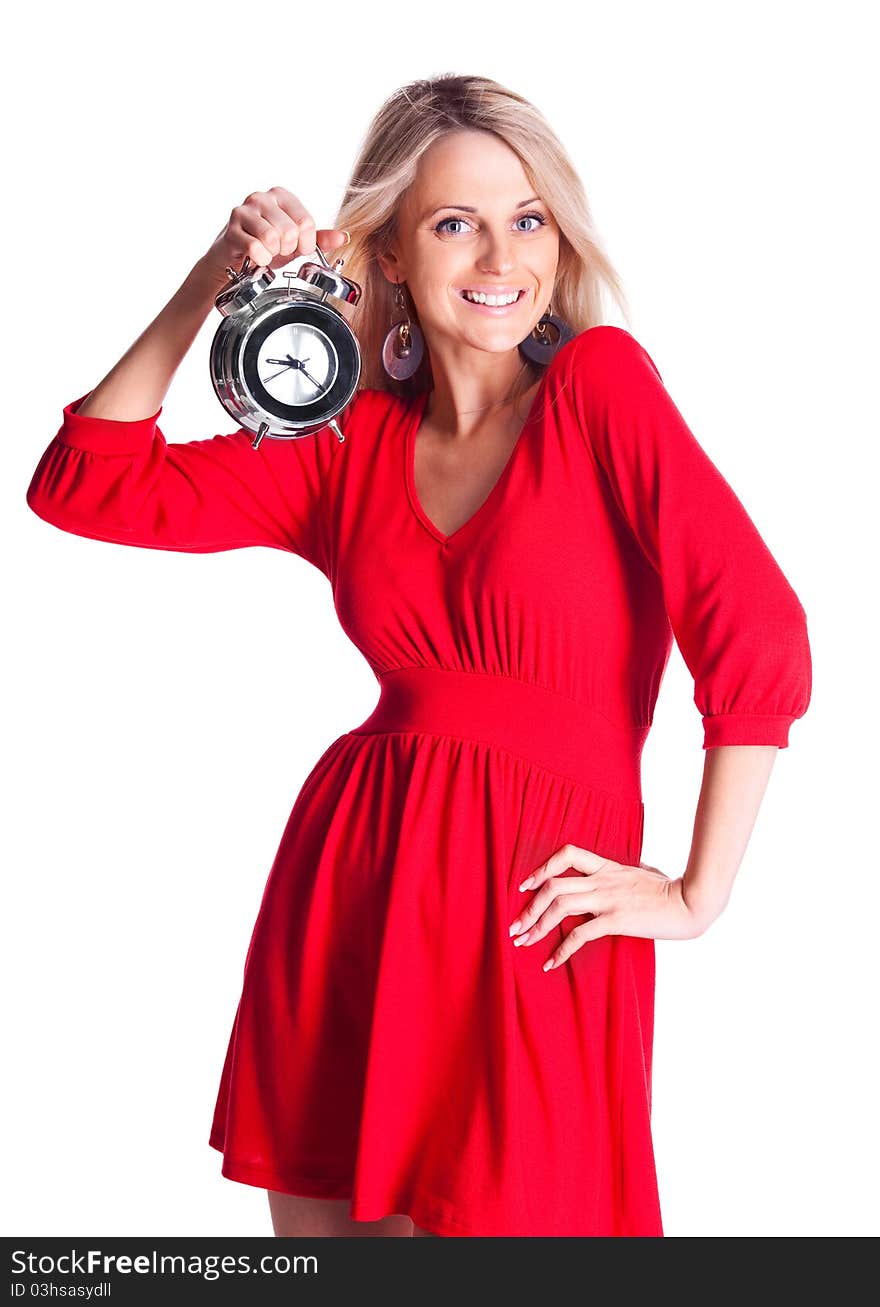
(468, 208)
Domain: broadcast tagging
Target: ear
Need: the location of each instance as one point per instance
(390, 265)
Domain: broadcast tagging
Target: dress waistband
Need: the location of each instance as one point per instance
(546, 728)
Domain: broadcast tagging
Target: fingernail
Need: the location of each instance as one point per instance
(547, 965)
(527, 882)
(514, 927)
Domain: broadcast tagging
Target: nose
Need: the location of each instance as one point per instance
(495, 254)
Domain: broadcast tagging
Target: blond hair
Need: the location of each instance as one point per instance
(412, 119)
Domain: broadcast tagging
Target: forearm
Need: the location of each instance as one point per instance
(136, 386)
(734, 781)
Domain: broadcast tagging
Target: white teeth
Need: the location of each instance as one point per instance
(480, 297)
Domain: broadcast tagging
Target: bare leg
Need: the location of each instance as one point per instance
(329, 1218)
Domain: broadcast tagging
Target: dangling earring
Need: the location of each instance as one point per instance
(546, 338)
(404, 346)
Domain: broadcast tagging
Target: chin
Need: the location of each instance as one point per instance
(499, 342)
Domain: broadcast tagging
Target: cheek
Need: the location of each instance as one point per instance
(438, 292)
(442, 264)
(552, 267)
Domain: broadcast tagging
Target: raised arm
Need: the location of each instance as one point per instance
(109, 472)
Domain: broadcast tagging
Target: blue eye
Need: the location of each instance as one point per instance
(539, 218)
(442, 225)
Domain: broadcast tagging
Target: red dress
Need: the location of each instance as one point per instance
(391, 1044)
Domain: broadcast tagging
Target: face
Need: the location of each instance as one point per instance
(472, 222)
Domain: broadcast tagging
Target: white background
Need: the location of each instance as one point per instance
(161, 710)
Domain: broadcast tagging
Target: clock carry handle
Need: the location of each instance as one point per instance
(247, 266)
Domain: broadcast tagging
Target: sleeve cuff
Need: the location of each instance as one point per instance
(744, 728)
(105, 435)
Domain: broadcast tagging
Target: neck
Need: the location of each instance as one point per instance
(472, 390)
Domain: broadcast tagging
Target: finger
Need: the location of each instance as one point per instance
(302, 231)
(328, 238)
(262, 239)
(277, 233)
(575, 905)
(297, 234)
(576, 938)
(333, 238)
(570, 855)
(289, 203)
(559, 887)
(296, 237)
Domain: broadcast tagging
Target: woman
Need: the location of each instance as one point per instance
(512, 544)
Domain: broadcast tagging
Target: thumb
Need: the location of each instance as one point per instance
(332, 238)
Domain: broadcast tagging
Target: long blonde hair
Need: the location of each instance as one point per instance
(409, 121)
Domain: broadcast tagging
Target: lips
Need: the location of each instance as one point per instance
(495, 310)
(467, 291)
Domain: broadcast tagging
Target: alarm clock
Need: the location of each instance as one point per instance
(284, 362)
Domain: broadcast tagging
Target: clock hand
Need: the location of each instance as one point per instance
(301, 365)
(315, 383)
(291, 362)
(294, 363)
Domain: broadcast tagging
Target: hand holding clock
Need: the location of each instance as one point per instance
(285, 360)
(272, 228)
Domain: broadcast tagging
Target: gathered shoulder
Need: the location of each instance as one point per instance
(607, 349)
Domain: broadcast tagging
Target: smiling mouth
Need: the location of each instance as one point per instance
(485, 301)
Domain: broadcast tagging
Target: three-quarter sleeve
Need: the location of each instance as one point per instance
(120, 481)
(741, 628)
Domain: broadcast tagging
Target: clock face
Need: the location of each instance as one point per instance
(300, 362)
(297, 364)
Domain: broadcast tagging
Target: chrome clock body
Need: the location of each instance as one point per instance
(284, 363)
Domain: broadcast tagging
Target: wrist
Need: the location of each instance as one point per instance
(701, 909)
(205, 282)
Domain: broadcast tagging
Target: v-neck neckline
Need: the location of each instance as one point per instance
(412, 427)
